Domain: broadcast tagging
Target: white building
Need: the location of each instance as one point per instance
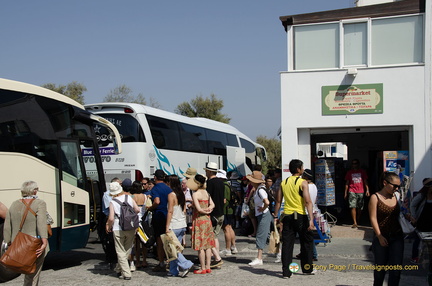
(361, 76)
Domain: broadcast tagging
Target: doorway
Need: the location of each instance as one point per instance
(366, 145)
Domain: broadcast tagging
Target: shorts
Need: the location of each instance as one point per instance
(355, 200)
(229, 220)
(218, 227)
(159, 224)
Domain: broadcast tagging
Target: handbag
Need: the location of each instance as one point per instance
(213, 219)
(405, 224)
(274, 240)
(21, 254)
(145, 232)
(171, 245)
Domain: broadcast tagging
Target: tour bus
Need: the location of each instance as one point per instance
(43, 137)
(157, 139)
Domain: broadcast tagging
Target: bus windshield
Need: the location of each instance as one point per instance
(128, 127)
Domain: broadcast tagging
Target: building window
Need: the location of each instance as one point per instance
(397, 40)
(316, 46)
(369, 42)
(355, 44)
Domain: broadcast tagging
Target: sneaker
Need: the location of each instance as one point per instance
(185, 272)
(314, 271)
(234, 250)
(226, 252)
(256, 261)
(124, 278)
(278, 259)
(215, 263)
(132, 267)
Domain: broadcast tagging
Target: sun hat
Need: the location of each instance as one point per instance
(212, 167)
(255, 177)
(193, 184)
(115, 188)
(234, 176)
(221, 174)
(190, 172)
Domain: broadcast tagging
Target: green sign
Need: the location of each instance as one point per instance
(352, 99)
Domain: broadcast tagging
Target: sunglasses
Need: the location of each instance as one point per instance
(394, 185)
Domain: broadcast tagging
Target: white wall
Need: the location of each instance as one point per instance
(404, 104)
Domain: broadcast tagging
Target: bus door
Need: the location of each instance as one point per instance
(74, 199)
(216, 159)
(236, 160)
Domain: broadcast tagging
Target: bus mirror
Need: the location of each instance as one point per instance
(115, 145)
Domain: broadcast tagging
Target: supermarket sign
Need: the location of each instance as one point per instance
(352, 99)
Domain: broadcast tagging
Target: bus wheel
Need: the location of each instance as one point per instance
(5, 274)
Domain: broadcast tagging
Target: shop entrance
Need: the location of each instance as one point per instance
(364, 145)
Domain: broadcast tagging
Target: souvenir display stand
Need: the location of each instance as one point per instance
(324, 180)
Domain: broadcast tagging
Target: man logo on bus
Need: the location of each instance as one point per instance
(294, 267)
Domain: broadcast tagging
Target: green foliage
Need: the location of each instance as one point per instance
(203, 107)
(73, 90)
(123, 93)
(274, 152)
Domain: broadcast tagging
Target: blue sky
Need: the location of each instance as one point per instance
(169, 50)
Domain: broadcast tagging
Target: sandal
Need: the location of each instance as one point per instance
(200, 271)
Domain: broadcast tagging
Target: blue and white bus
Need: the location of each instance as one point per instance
(157, 139)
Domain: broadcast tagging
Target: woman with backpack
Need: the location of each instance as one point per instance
(262, 213)
(123, 228)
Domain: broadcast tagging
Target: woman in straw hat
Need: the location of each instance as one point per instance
(262, 213)
(202, 232)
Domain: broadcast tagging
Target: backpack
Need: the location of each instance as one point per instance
(233, 200)
(270, 197)
(128, 217)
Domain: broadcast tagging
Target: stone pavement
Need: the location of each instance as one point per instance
(336, 262)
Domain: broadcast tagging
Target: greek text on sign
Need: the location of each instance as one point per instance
(349, 99)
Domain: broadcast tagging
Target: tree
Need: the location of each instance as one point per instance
(73, 90)
(274, 152)
(203, 107)
(123, 93)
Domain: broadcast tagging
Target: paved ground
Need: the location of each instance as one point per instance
(336, 262)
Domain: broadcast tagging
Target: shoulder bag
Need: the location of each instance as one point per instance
(213, 219)
(21, 254)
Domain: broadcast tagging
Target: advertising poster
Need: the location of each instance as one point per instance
(398, 162)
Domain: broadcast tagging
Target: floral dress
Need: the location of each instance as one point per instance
(202, 230)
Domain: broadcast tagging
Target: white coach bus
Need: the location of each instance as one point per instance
(156, 139)
(45, 137)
